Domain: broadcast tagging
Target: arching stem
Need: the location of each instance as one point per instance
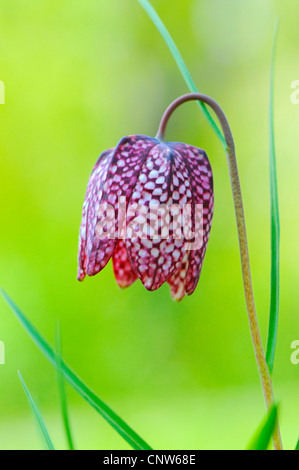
(242, 234)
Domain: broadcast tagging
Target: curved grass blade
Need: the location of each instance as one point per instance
(104, 410)
(37, 415)
(181, 64)
(275, 226)
(297, 446)
(62, 393)
(262, 438)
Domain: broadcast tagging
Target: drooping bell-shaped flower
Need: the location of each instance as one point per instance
(149, 206)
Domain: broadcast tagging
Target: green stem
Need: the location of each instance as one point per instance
(242, 234)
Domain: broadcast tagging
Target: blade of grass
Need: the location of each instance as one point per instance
(297, 446)
(37, 415)
(275, 227)
(262, 437)
(181, 64)
(104, 410)
(62, 393)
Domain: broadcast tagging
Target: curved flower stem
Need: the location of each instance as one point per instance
(242, 234)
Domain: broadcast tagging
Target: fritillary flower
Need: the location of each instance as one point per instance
(133, 185)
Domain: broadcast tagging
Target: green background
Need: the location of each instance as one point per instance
(78, 77)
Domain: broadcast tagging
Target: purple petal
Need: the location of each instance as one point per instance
(201, 180)
(154, 254)
(123, 271)
(120, 178)
(93, 195)
(177, 282)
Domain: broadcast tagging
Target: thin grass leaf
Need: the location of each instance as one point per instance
(275, 226)
(297, 446)
(62, 393)
(37, 415)
(262, 437)
(104, 410)
(181, 64)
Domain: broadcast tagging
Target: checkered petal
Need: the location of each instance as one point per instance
(92, 198)
(132, 212)
(121, 177)
(155, 242)
(112, 180)
(123, 271)
(177, 282)
(201, 180)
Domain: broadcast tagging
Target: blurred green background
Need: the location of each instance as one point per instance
(78, 77)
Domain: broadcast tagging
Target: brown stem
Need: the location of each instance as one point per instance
(242, 234)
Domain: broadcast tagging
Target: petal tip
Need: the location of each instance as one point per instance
(81, 275)
(178, 298)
